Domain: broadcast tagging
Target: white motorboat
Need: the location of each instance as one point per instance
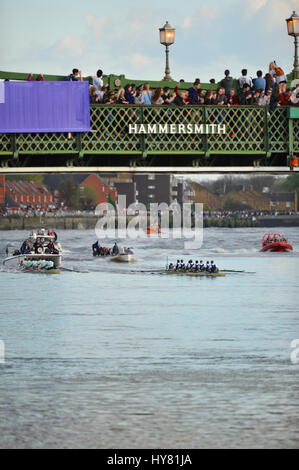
(125, 256)
(41, 250)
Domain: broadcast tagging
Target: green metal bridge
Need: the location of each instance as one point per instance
(254, 138)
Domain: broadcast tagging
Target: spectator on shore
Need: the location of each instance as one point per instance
(227, 82)
(157, 97)
(147, 94)
(193, 92)
(39, 78)
(259, 83)
(244, 79)
(212, 80)
(75, 76)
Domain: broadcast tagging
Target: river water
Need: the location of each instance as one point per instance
(114, 357)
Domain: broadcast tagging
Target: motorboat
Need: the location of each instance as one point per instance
(153, 230)
(125, 256)
(275, 242)
(40, 252)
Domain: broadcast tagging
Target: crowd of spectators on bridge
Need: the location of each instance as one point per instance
(268, 89)
(263, 90)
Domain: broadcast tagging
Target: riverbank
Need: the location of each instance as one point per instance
(86, 222)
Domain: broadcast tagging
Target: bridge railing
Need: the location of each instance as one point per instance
(249, 130)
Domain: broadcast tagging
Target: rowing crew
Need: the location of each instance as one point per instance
(209, 267)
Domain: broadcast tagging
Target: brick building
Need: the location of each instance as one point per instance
(24, 193)
(206, 197)
(102, 190)
(255, 200)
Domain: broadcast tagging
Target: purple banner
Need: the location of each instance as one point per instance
(44, 107)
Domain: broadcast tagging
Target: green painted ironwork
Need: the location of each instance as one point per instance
(249, 130)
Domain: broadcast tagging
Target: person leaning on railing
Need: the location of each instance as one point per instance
(75, 76)
(245, 96)
(39, 78)
(294, 98)
(168, 99)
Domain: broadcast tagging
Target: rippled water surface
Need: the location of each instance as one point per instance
(120, 356)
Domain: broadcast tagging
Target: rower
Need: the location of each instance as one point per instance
(183, 264)
(201, 265)
(190, 265)
(213, 267)
(171, 267)
(208, 267)
(196, 266)
(178, 265)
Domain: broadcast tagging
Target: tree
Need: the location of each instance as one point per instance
(88, 197)
(235, 205)
(70, 193)
(111, 201)
(291, 184)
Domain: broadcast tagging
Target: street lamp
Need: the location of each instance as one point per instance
(167, 35)
(293, 30)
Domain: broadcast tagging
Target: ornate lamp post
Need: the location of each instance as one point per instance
(167, 36)
(293, 30)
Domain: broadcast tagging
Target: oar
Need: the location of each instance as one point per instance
(74, 270)
(233, 271)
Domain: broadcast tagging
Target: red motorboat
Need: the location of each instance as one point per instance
(275, 242)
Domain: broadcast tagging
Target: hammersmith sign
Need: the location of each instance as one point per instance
(177, 129)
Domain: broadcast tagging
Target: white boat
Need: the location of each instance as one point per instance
(126, 256)
(38, 252)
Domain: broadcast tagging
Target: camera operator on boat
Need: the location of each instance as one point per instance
(38, 246)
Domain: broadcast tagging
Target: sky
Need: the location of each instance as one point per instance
(53, 37)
